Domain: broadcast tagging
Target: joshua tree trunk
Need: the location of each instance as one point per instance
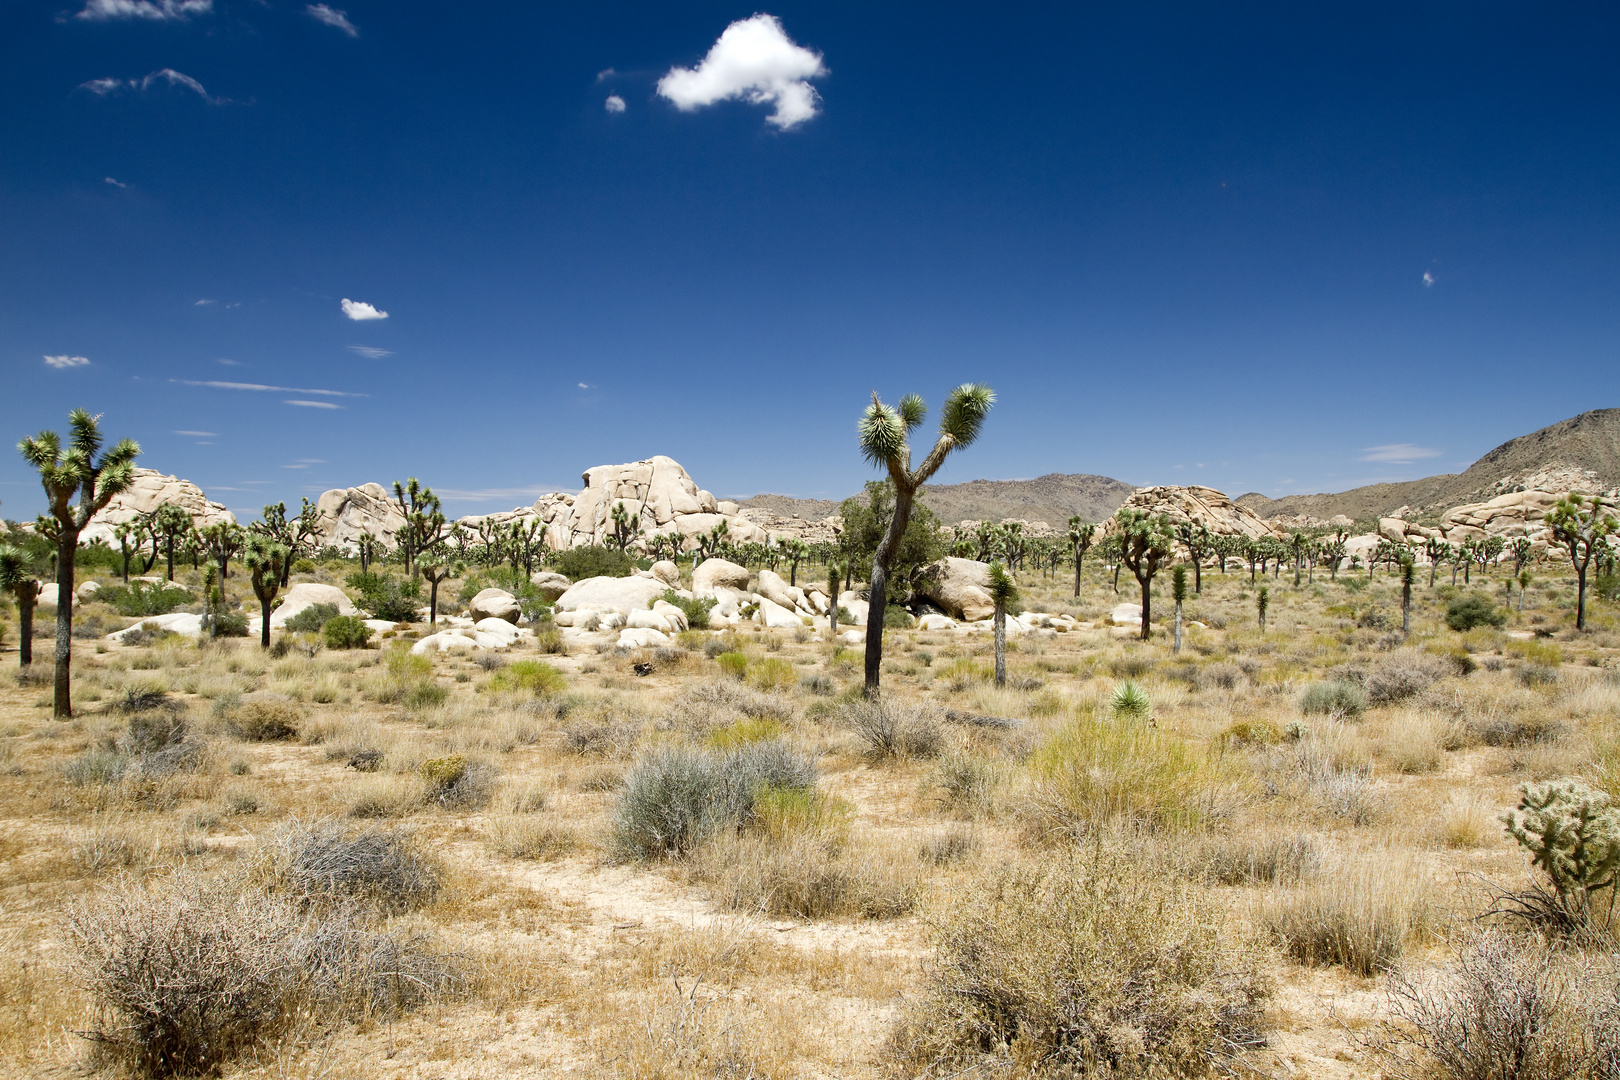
(25, 622)
(1147, 604)
(878, 602)
(1001, 645)
(1406, 608)
(62, 697)
(433, 601)
(1177, 647)
(264, 620)
(171, 557)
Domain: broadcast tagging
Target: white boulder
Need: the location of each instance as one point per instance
(715, 573)
(641, 639)
(494, 604)
(934, 621)
(550, 585)
(774, 615)
(960, 587)
(178, 622)
(307, 594)
(667, 572)
(773, 588)
(1126, 615)
(623, 595)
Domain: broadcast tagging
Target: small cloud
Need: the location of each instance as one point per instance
(103, 87)
(205, 303)
(360, 311)
(114, 183)
(614, 103)
(605, 74)
(1397, 453)
(216, 385)
(314, 404)
(156, 10)
(62, 362)
(233, 303)
(1428, 279)
(229, 363)
(755, 60)
(370, 352)
(586, 386)
(303, 463)
(106, 87)
(199, 434)
(338, 20)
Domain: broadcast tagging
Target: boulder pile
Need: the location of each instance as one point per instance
(150, 490)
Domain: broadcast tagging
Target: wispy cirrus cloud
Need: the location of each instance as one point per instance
(168, 76)
(153, 10)
(370, 352)
(216, 384)
(61, 363)
(755, 60)
(1397, 453)
(314, 404)
(337, 20)
(199, 434)
(360, 311)
(114, 183)
(304, 463)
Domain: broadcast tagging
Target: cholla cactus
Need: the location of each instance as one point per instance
(1573, 836)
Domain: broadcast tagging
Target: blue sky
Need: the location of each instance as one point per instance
(1245, 245)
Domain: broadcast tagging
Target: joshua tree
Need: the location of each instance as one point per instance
(265, 559)
(65, 473)
(223, 540)
(1520, 548)
(1146, 543)
(132, 537)
(1108, 551)
(169, 524)
(883, 435)
(368, 547)
(1262, 600)
(1434, 549)
(1081, 533)
(1199, 542)
(1178, 593)
(795, 551)
(435, 565)
(1581, 524)
(1297, 542)
(1003, 593)
(1408, 576)
(20, 571)
(626, 526)
(1524, 587)
(1491, 549)
(835, 571)
(424, 519)
(526, 540)
(1332, 552)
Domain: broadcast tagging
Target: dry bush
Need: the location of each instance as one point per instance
(808, 875)
(1403, 674)
(265, 718)
(1416, 741)
(894, 728)
(328, 862)
(527, 836)
(1359, 914)
(1224, 676)
(719, 702)
(456, 783)
(382, 796)
(1506, 1008)
(968, 784)
(1085, 968)
(1338, 774)
(1243, 858)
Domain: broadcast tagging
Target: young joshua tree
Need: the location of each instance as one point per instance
(265, 559)
(20, 571)
(1178, 592)
(1199, 542)
(64, 473)
(1262, 600)
(169, 524)
(435, 565)
(1581, 525)
(835, 572)
(1332, 552)
(1408, 576)
(1003, 593)
(223, 540)
(1081, 533)
(883, 435)
(425, 524)
(625, 527)
(1146, 544)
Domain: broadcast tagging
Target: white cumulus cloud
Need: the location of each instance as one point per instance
(1428, 279)
(61, 362)
(755, 60)
(614, 103)
(96, 10)
(360, 311)
(338, 20)
(1397, 453)
(370, 352)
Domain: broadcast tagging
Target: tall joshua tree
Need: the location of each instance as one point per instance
(1198, 541)
(424, 519)
(1081, 534)
(1581, 525)
(65, 472)
(265, 559)
(169, 524)
(20, 572)
(883, 435)
(223, 540)
(1003, 593)
(1146, 544)
(435, 565)
(1178, 593)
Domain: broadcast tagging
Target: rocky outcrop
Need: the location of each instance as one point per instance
(713, 573)
(959, 587)
(150, 490)
(1203, 506)
(346, 514)
(549, 584)
(306, 594)
(601, 594)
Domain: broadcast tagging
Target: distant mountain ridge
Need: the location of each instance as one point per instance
(1581, 452)
(1053, 498)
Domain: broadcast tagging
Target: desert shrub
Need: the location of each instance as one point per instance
(1506, 1008)
(265, 718)
(229, 624)
(675, 797)
(807, 876)
(1518, 729)
(1088, 968)
(734, 664)
(344, 632)
(967, 784)
(1359, 916)
(1094, 772)
(819, 685)
(1534, 675)
(1537, 652)
(1248, 858)
(1130, 666)
(140, 598)
(592, 561)
(696, 609)
(1466, 612)
(771, 673)
(896, 617)
(964, 673)
(1225, 676)
(312, 618)
(455, 783)
(894, 728)
(524, 836)
(386, 596)
(332, 862)
(743, 733)
(1404, 674)
(1339, 697)
(1342, 781)
(534, 677)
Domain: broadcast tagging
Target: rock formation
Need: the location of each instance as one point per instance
(151, 490)
(346, 514)
(1204, 506)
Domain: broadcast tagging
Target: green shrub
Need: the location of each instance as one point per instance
(230, 624)
(455, 783)
(343, 631)
(1338, 697)
(1467, 612)
(675, 797)
(312, 618)
(1087, 968)
(303, 566)
(386, 596)
(696, 610)
(734, 664)
(771, 673)
(534, 677)
(590, 561)
(140, 598)
(896, 617)
(1129, 701)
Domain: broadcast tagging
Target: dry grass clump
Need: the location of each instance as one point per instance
(1336, 698)
(1404, 674)
(331, 861)
(1243, 858)
(527, 836)
(455, 783)
(894, 727)
(1337, 769)
(1507, 1007)
(264, 718)
(1086, 968)
(1359, 914)
(809, 876)
(719, 702)
(384, 796)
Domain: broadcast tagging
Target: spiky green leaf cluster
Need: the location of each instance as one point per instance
(1572, 834)
(964, 412)
(1003, 588)
(883, 434)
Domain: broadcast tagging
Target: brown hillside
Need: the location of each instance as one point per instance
(1052, 498)
(1588, 443)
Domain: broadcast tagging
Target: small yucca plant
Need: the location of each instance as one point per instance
(1130, 701)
